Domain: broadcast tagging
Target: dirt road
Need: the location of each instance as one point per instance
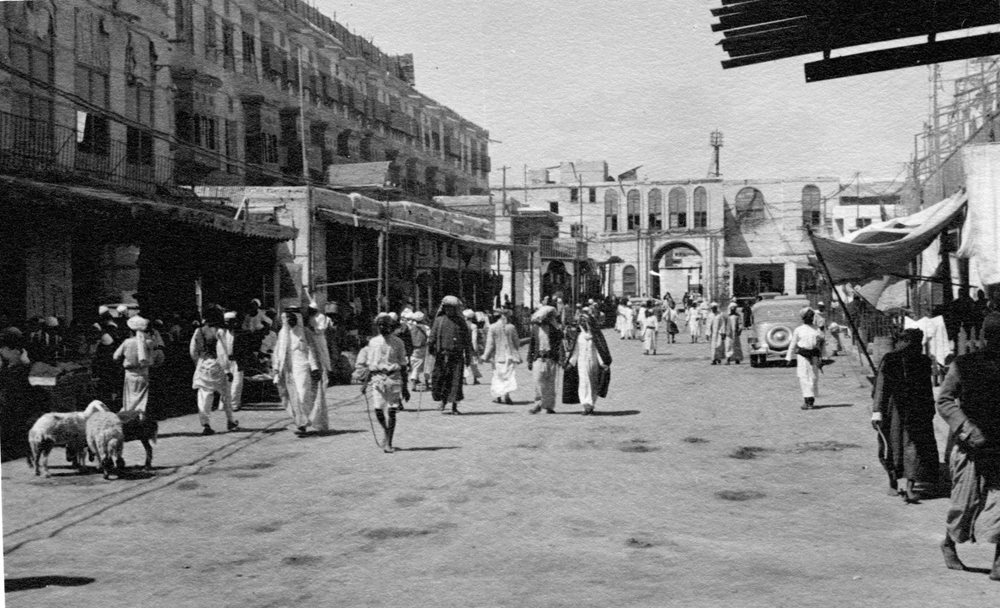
(695, 486)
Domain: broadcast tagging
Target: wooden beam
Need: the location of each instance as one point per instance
(903, 57)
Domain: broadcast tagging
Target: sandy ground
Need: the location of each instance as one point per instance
(695, 486)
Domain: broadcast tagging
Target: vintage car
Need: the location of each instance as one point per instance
(773, 322)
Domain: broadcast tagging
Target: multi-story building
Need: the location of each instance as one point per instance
(720, 238)
(91, 209)
(292, 91)
(122, 107)
(767, 233)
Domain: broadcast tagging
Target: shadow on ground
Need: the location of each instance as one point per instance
(39, 582)
(429, 448)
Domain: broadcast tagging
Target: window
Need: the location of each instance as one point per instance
(93, 133)
(677, 203)
(749, 204)
(31, 100)
(576, 231)
(232, 151)
(861, 222)
(811, 206)
(632, 202)
(593, 195)
(629, 281)
(700, 208)
(270, 148)
(574, 195)
(211, 34)
(249, 47)
(228, 46)
(655, 209)
(184, 21)
(554, 207)
(138, 147)
(344, 144)
(610, 211)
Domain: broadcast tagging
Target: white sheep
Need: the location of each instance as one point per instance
(60, 428)
(105, 439)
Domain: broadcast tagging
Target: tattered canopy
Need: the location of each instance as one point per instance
(887, 248)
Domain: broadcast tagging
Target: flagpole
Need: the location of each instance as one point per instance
(847, 313)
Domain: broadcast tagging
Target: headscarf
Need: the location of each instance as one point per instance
(139, 326)
(542, 313)
(285, 340)
(452, 301)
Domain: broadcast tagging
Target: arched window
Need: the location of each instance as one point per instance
(811, 206)
(749, 204)
(700, 208)
(633, 218)
(628, 281)
(655, 209)
(678, 205)
(610, 211)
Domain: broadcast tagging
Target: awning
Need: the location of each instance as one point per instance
(981, 236)
(886, 248)
(107, 201)
(350, 219)
(405, 226)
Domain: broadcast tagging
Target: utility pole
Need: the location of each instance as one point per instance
(715, 140)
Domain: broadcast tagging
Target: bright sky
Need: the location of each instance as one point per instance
(640, 83)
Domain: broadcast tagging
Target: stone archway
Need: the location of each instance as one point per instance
(679, 268)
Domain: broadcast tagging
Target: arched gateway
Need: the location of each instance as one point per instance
(678, 267)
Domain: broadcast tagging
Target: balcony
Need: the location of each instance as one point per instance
(562, 249)
(46, 151)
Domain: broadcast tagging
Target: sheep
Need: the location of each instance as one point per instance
(138, 426)
(60, 428)
(105, 439)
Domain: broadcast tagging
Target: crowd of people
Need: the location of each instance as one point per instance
(303, 351)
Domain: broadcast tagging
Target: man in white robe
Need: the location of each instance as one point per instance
(502, 348)
(806, 349)
(296, 368)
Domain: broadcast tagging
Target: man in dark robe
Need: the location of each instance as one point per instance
(451, 346)
(969, 402)
(903, 413)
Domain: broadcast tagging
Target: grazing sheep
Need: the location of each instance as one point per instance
(138, 426)
(105, 439)
(60, 428)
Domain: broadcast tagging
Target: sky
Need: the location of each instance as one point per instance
(639, 82)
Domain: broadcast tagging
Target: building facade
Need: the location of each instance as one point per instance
(115, 110)
(91, 203)
(291, 91)
(641, 237)
(719, 238)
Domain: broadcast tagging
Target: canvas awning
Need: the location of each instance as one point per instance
(886, 248)
(103, 201)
